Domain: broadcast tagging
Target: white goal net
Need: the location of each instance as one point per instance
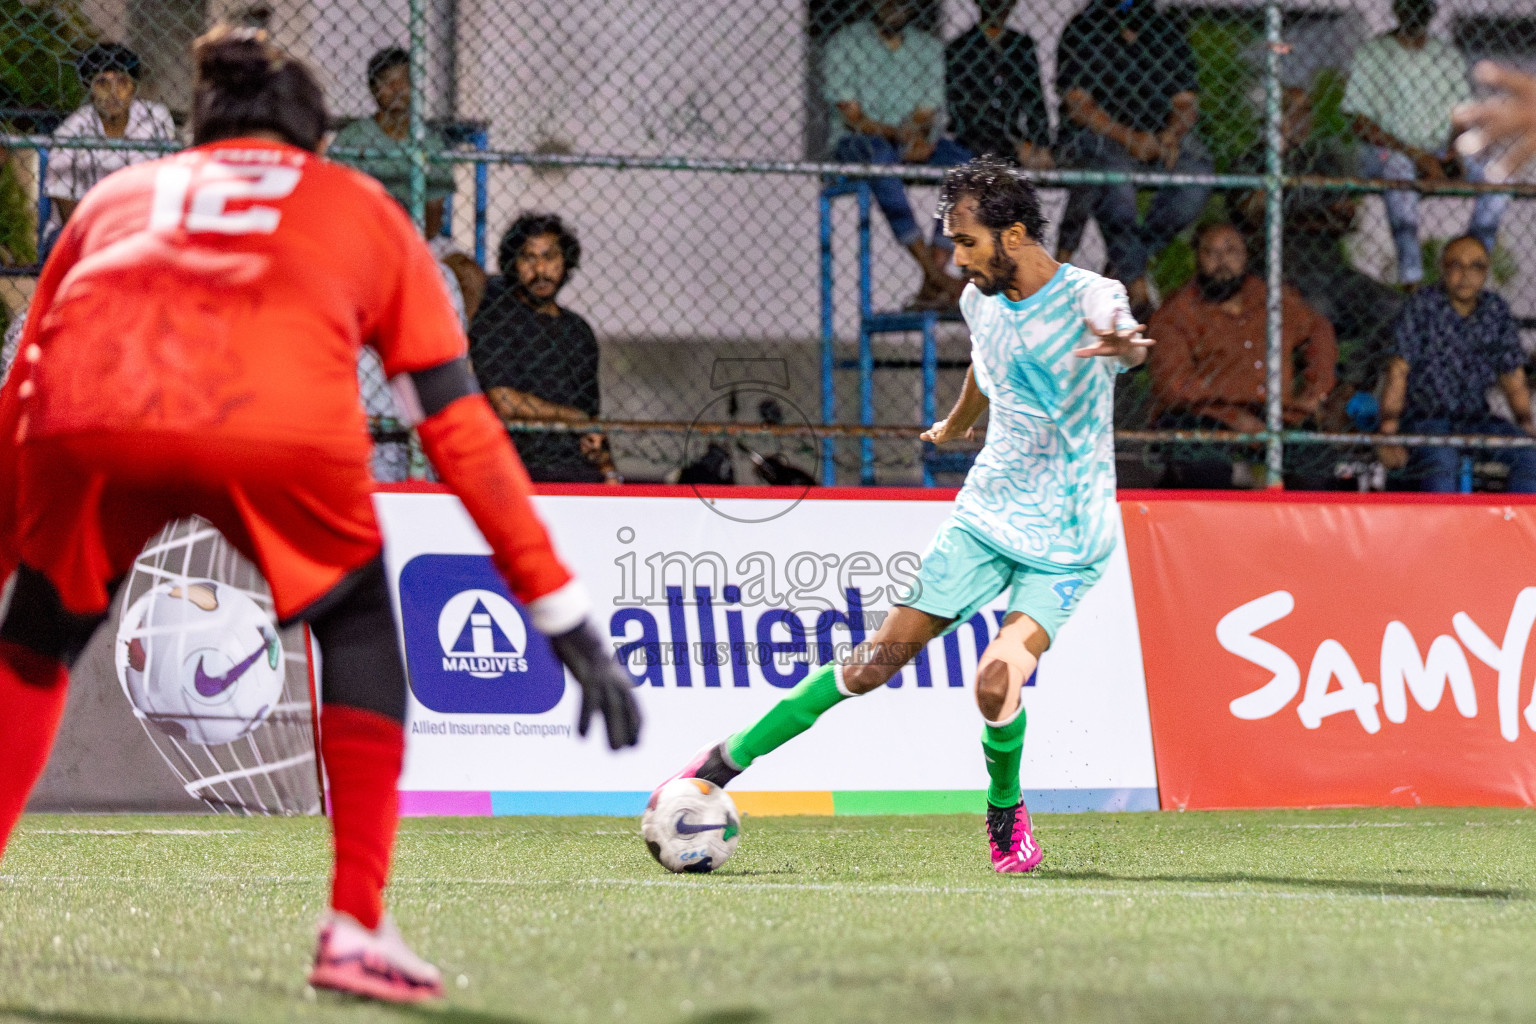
(270, 769)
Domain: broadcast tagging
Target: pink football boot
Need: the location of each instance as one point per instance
(374, 964)
(709, 763)
(1014, 850)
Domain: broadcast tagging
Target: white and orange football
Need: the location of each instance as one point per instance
(691, 825)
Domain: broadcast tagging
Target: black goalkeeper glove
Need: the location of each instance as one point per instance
(605, 686)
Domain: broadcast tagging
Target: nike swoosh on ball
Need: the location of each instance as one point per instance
(212, 686)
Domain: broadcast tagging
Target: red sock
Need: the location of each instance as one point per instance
(363, 751)
(32, 691)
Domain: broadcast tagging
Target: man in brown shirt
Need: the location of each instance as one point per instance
(1208, 369)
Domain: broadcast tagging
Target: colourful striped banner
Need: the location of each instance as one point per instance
(429, 803)
(755, 803)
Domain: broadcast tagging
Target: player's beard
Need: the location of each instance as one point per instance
(1219, 289)
(1001, 269)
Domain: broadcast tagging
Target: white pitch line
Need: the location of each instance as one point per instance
(140, 880)
(1045, 888)
(134, 831)
(1364, 824)
(1042, 889)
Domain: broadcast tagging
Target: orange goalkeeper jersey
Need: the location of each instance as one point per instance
(225, 291)
(213, 302)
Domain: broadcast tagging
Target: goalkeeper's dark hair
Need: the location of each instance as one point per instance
(246, 84)
(532, 225)
(1004, 195)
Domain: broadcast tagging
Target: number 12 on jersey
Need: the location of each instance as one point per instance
(215, 186)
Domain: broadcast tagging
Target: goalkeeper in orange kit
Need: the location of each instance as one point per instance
(191, 349)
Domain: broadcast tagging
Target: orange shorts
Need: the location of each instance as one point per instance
(87, 503)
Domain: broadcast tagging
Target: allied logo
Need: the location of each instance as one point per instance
(469, 646)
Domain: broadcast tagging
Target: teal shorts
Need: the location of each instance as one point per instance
(961, 573)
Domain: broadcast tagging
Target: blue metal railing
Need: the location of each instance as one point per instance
(871, 323)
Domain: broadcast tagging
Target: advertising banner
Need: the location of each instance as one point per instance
(1350, 653)
(718, 605)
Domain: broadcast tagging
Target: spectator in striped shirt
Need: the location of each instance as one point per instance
(111, 72)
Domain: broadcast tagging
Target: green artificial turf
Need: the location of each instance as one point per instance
(1392, 915)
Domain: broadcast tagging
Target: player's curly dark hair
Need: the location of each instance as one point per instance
(245, 84)
(1004, 195)
(532, 225)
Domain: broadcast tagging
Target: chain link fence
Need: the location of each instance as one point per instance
(695, 241)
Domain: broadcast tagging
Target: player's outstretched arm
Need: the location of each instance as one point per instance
(467, 444)
(1127, 345)
(1507, 117)
(961, 421)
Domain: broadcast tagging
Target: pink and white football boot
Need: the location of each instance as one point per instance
(1009, 834)
(374, 964)
(709, 763)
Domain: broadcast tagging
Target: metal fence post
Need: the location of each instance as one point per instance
(418, 32)
(866, 344)
(828, 340)
(481, 139)
(1274, 385)
(418, 149)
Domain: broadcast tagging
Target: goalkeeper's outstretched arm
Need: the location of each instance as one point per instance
(469, 447)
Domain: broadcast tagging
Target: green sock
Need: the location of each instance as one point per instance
(790, 717)
(1003, 746)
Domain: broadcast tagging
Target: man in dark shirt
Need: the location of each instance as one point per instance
(537, 360)
(993, 90)
(1452, 343)
(1126, 75)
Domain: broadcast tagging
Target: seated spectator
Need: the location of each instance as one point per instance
(1360, 308)
(1402, 87)
(995, 93)
(387, 134)
(885, 83)
(537, 360)
(1209, 365)
(110, 72)
(1130, 102)
(1452, 343)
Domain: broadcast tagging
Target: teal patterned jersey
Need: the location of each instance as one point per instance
(1043, 488)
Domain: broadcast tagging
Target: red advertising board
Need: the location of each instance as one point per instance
(1306, 653)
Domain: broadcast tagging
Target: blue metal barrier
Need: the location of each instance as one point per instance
(476, 134)
(871, 323)
(44, 204)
